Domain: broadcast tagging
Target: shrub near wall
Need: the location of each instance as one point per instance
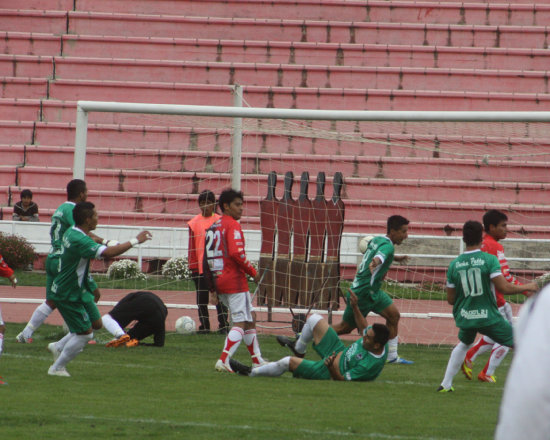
(17, 251)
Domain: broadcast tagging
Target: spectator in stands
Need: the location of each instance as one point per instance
(144, 307)
(26, 210)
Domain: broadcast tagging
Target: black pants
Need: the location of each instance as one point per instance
(202, 303)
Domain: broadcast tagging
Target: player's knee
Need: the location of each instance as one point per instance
(96, 325)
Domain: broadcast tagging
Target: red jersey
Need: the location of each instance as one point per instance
(197, 231)
(493, 247)
(5, 270)
(226, 258)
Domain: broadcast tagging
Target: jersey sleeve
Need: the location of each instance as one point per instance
(450, 272)
(235, 250)
(88, 248)
(494, 266)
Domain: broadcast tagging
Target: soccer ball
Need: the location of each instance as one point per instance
(185, 325)
(364, 243)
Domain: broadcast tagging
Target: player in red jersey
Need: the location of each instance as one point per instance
(226, 267)
(495, 225)
(6, 272)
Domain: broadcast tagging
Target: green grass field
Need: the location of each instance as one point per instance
(174, 392)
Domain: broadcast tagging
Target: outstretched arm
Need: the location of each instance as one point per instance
(113, 251)
(360, 320)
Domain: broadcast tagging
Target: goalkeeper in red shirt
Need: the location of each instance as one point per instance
(6, 272)
(495, 225)
(226, 267)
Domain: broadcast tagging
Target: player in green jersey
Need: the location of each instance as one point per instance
(71, 289)
(367, 284)
(471, 281)
(62, 219)
(361, 361)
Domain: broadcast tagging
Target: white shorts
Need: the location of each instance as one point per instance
(239, 305)
(506, 312)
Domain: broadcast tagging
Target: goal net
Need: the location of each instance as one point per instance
(314, 183)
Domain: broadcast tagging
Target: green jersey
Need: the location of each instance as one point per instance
(381, 247)
(470, 275)
(356, 363)
(72, 282)
(62, 219)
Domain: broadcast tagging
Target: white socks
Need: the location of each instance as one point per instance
(1, 343)
(455, 361)
(112, 326)
(484, 345)
(73, 345)
(232, 342)
(250, 338)
(272, 369)
(392, 349)
(497, 355)
(307, 333)
(37, 319)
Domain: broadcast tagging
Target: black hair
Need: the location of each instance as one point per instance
(472, 232)
(74, 188)
(395, 222)
(228, 196)
(493, 217)
(381, 333)
(207, 196)
(26, 193)
(82, 211)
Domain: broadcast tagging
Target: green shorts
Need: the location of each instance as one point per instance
(52, 266)
(500, 332)
(317, 370)
(368, 302)
(78, 315)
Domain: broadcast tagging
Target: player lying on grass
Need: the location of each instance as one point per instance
(363, 360)
(144, 307)
(71, 289)
(471, 281)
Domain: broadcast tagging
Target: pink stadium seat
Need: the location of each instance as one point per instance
(290, 75)
(131, 25)
(380, 11)
(296, 52)
(49, 22)
(29, 43)
(31, 66)
(23, 88)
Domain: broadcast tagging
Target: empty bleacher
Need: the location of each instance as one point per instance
(331, 54)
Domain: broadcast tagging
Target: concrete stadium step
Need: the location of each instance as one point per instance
(285, 52)
(133, 25)
(8, 175)
(381, 11)
(29, 43)
(15, 109)
(148, 180)
(41, 5)
(23, 88)
(481, 150)
(30, 66)
(16, 132)
(282, 75)
(174, 202)
(12, 155)
(287, 97)
(46, 22)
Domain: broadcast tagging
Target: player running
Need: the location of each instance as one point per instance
(471, 281)
(368, 281)
(226, 271)
(495, 225)
(361, 361)
(71, 289)
(62, 220)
